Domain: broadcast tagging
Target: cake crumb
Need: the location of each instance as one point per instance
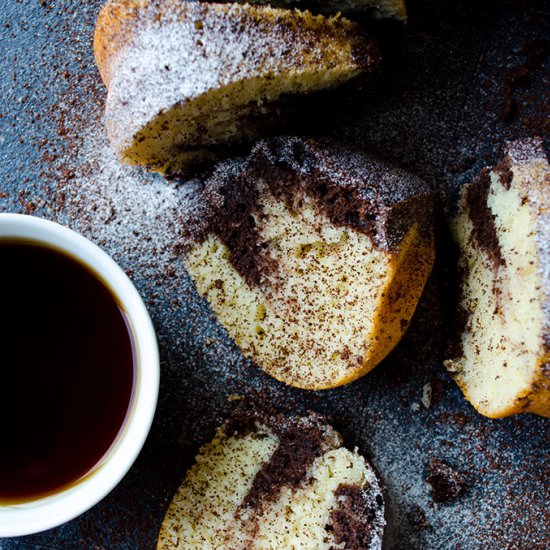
(445, 482)
(234, 397)
(426, 395)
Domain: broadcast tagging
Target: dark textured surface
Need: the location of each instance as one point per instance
(463, 78)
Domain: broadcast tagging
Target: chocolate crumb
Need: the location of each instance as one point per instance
(505, 174)
(446, 483)
(244, 417)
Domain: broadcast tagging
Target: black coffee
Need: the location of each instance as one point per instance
(67, 366)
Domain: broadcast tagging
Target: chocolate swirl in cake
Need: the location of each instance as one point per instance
(300, 442)
(484, 230)
(502, 231)
(353, 521)
(351, 188)
(312, 255)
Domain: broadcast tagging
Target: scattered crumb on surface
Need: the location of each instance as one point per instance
(446, 483)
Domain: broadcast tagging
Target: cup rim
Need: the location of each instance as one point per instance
(50, 511)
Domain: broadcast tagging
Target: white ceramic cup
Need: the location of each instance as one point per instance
(44, 513)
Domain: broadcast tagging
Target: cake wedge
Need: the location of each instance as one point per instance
(312, 255)
(187, 79)
(501, 360)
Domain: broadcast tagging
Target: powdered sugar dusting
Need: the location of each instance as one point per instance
(116, 205)
(525, 150)
(182, 50)
(530, 156)
(109, 203)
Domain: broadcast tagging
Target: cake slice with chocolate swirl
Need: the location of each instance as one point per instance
(312, 256)
(503, 230)
(274, 482)
(186, 79)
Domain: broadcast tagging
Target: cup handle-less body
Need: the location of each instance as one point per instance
(45, 513)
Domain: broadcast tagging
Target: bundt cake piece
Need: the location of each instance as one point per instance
(274, 483)
(502, 359)
(185, 79)
(313, 257)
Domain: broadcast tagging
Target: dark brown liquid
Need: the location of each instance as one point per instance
(66, 370)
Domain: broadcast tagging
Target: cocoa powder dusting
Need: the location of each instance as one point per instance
(436, 111)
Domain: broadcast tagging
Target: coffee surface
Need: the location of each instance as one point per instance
(66, 370)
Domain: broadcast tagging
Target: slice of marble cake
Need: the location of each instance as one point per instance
(312, 256)
(502, 361)
(187, 79)
(275, 482)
